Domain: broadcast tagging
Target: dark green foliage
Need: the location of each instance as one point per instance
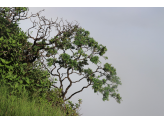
(12, 68)
(20, 70)
(17, 70)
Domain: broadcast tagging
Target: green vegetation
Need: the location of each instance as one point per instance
(27, 84)
(18, 78)
(11, 105)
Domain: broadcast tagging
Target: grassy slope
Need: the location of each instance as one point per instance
(13, 106)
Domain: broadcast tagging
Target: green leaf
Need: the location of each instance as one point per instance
(4, 61)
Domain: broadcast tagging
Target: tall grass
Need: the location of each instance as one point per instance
(11, 105)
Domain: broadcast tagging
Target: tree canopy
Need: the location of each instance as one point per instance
(21, 69)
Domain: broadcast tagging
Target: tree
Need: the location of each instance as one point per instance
(12, 64)
(17, 63)
(74, 62)
(11, 39)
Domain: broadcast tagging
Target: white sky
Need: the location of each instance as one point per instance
(134, 40)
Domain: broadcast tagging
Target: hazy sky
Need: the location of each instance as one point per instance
(134, 40)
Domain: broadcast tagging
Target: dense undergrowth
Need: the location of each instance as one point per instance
(11, 105)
